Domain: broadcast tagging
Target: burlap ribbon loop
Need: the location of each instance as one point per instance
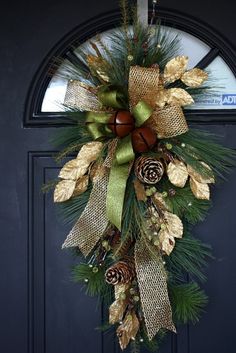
(144, 84)
(88, 229)
(152, 284)
(168, 122)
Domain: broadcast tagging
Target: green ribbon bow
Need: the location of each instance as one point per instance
(121, 165)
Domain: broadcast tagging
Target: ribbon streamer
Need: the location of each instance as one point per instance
(88, 229)
(152, 284)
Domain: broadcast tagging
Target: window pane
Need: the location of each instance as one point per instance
(224, 83)
(191, 46)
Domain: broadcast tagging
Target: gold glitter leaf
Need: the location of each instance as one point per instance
(173, 225)
(162, 98)
(201, 178)
(178, 96)
(64, 190)
(175, 68)
(116, 311)
(98, 67)
(177, 173)
(200, 190)
(166, 242)
(81, 185)
(76, 168)
(128, 329)
(194, 78)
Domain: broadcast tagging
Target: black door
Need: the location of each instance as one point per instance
(42, 310)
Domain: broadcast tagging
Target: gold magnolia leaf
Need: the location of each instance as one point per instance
(177, 173)
(162, 97)
(64, 190)
(81, 185)
(175, 68)
(98, 67)
(199, 177)
(200, 190)
(116, 311)
(166, 242)
(76, 168)
(96, 171)
(140, 190)
(173, 225)
(128, 329)
(194, 78)
(178, 96)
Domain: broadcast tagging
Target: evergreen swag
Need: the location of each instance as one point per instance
(157, 216)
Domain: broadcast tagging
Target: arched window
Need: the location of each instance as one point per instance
(205, 48)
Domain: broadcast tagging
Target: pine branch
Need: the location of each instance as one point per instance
(190, 256)
(184, 204)
(188, 301)
(94, 281)
(204, 146)
(71, 210)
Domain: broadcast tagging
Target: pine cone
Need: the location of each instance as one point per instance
(120, 273)
(149, 170)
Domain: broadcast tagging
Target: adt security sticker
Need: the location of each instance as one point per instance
(228, 99)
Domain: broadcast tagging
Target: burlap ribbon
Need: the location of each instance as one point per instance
(93, 221)
(152, 284)
(144, 84)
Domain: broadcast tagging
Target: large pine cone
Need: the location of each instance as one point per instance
(148, 170)
(120, 273)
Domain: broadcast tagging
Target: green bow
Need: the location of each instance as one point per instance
(121, 165)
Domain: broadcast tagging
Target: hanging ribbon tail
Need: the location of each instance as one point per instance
(119, 174)
(152, 284)
(92, 223)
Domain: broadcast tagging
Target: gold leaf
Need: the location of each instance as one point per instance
(81, 185)
(64, 190)
(162, 97)
(139, 190)
(178, 96)
(116, 311)
(177, 173)
(173, 225)
(120, 289)
(194, 78)
(200, 190)
(175, 68)
(166, 242)
(96, 171)
(76, 168)
(128, 329)
(98, 66)
(199, 177)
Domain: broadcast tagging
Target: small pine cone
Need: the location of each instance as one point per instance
(148, 170)
(120, 273)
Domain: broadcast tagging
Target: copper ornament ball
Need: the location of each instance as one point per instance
(121, 123)
(143, 139)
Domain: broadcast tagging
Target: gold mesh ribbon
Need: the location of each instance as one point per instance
(93, 221)
(143, 85)
(168, 122)
(153, 291)
(80, 96)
